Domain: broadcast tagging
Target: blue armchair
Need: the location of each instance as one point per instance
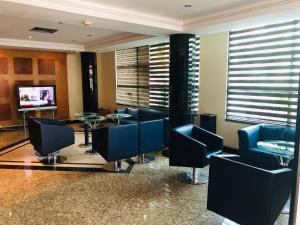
(246, 194)
(248, 138)
(48, 136)
(192, 146)
(116, 143)
(153, 130)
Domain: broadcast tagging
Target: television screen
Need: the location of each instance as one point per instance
(33, 97)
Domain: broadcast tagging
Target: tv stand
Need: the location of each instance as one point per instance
(37, 109)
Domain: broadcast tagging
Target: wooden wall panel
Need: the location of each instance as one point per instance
(4, 89)
(22, 65)
(22, 76)
(46, 66)
(5, 113)
(3, 65)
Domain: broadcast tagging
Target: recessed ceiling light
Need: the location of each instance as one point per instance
(187, 6)
(29, 37)
(87, 23)
(89, 35)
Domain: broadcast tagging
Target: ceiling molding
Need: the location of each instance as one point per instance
(114, 40)
(251, 10)
(24, 44)
(105, 12)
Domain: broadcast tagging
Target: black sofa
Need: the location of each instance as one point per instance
(49, 136)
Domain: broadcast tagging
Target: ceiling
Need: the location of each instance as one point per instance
(175, 9)
(19, 28)
(123, 23)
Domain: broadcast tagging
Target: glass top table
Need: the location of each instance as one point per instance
(89, 119)
(284, 153)
(116, 118)
(282, 150)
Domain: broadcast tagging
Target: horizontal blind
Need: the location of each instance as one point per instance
(159, 75)
(263, 74)
(132, 76)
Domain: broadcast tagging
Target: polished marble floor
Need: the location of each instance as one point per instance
(149, 194)
(24, 155)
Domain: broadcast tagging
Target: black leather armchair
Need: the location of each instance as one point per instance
(49, 136)
(192, 146)
(247, 194)
(116, 143)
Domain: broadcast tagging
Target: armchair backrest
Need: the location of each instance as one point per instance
(146, 114)
(246, 194)
(115, 143)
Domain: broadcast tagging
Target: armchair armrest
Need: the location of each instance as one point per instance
(213, 141)
(248, 138)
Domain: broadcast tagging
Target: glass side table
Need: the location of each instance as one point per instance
(89, 120)
(283, 151)
(116, 118)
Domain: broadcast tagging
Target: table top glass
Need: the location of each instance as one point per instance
(92, 118)
(85, 114)
(281, 148)
(118, 116)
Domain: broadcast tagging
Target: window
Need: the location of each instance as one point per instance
(263, 74)
(133, 76)
(159, 75)
(143, 76)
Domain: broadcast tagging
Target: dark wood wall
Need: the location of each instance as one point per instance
(20, 67)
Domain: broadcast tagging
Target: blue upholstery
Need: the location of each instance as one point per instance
(116, 143)
(247, 194)
(248, 138)
(152, 136)
(192, 146)
(48, 136)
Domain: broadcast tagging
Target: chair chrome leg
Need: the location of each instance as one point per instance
(116, 166)
(228, 222)
(194, 177)
(142, 159)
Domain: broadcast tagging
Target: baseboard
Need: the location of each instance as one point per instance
(230, 150)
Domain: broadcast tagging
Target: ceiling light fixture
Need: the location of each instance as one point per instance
(89, 35)
(187, 6)
(87, 23)
(29, 37)
(60, 22)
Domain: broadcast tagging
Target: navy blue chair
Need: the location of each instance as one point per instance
(248, 138)
(116, 143)
(152, 130)
(49, 136)
(246, 194)
(192, 146)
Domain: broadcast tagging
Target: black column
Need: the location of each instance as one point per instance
(89, 81)
(182, 54)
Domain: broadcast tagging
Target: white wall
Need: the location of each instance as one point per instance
(213, 79)
(74, 84)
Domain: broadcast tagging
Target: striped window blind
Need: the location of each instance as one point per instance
(133, 76)
(263, 74)
(159, 75)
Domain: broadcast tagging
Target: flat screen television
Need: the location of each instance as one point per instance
(31, 98)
